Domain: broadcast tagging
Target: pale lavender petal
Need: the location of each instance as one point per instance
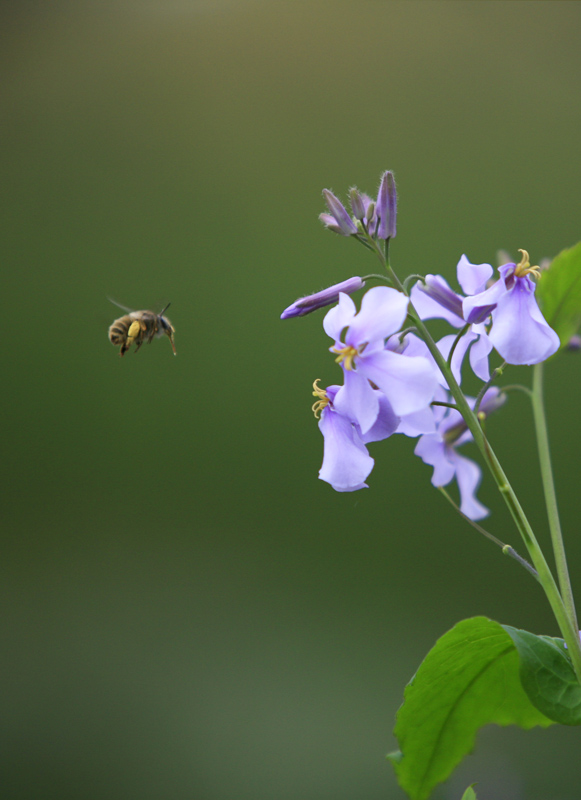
(346, 462)
(477, 308)
(519, 332)
(385, 424)
(339, 317)
(472, 277)
(383, 311)
(419, 422)
(436, 299)
(340, 213)
(408, 383)
(304, 305)
(468, 475)
(357, 400)
(432, 451)
(479, 353)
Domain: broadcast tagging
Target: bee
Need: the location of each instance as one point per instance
(139, 327)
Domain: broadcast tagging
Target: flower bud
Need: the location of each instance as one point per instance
(339, 212)
(357, 204)
(304, 305)
(386, 207)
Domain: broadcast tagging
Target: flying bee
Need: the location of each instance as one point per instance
(139, 327)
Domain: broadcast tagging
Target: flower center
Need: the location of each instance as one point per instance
(346, 356)
(524, 268)
(322, 402)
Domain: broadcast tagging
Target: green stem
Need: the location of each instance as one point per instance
(568, 629)
(550, 495)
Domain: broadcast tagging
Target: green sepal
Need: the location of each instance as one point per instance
(470, 794)
(559, 293)
(470, 678)
(547, 676)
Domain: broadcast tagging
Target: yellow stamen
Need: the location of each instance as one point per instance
(524, 268)
(322, 402)
(346, 356)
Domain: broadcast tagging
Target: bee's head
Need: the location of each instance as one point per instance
(167, 328)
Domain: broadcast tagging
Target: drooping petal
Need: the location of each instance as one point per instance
(346, 462)
(468, 475)
(385, 424)
(383, 311)
(472, 277)
(357, 400)
(519, 332)
(479, 353)
(339, 317)
(409, 383)
(432, 451)
(435, 299)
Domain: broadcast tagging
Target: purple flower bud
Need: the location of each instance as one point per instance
(339, 212)
(357, 203)
(574, 343)
(386, 207)
(304, 305)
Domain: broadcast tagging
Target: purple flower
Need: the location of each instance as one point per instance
(439, 451)
(346, 462)
(519, 331)
(408, 382)
(304, 305)
(436, 299)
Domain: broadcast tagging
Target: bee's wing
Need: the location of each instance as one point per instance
(123, 308)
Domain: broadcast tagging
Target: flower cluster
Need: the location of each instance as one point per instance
(391, 381)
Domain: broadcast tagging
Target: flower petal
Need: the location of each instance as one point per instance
(408, 382)
(479, 353)
(383, 311)
(436, 299)
(357, 400)
(477, 308)
(339, 317)
(472, 277)
(346, 462)
(432, 450)
(519, 332)
(468, 475)
(385, 424)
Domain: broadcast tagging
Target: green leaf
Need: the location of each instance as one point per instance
(559, 293)
(547, 676)
(470, 678)
(470, 794)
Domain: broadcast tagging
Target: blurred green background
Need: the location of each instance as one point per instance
(187, 611)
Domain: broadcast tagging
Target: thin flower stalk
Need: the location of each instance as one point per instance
(550, 494)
